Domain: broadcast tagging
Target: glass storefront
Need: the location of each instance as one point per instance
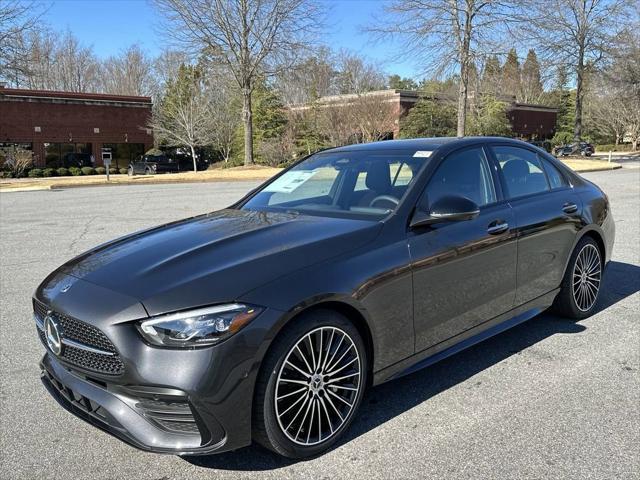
(124, 153)
(55, 153)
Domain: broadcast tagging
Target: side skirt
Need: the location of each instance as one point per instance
(466, 339)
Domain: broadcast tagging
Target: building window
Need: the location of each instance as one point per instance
(122, 154)
(55, 153)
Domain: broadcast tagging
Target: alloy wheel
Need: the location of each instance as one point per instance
(587, 274)
(318, 386)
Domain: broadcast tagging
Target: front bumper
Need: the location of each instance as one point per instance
(209, 390)
(118, 414)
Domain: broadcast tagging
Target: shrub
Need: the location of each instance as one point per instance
(49, 172)
(6, 174)
(101, 170)
(562, 138)
(62, 172)
(88, 171)
(113, 171)
(36, 172)
(623, 147)
(75, 171)
(18, 161)
(124, 171)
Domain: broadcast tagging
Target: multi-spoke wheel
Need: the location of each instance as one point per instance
(586, 277)
(311, 385)
(581, 285)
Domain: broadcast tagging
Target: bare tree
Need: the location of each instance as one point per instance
(372, 116)
(356, 75)
(183, 117)
(446, 34)
(130, 73)
(224, 113)
(76, 66)
(250, 37)
(311, 78)
(17, 19)
(579, 33)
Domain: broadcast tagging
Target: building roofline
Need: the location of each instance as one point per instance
(52, 94)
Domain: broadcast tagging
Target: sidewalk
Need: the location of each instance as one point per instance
(234, 174)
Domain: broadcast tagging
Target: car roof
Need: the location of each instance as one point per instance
(431, 144)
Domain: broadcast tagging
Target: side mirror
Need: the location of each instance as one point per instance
(446, 209)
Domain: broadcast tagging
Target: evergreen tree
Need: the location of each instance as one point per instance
(564, 99)
(490, 118)
(400, 83)
(491, 76)
(429, 118)
(531, 88)
(511, 74)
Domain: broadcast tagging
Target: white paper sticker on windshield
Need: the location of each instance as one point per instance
(422, 153)
(289, 181)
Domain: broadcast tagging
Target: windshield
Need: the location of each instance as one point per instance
(356, 184)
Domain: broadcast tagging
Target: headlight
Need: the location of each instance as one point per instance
(204, 326)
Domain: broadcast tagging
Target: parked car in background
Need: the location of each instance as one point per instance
(152, 164)
(268, 320)
(77, 160)
(579, 148)
(165, 163)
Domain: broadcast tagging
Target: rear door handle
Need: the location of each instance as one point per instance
(569, 208)
(497, 227)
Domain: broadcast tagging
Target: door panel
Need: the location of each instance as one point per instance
(464, 272)
(547, 213)
(545, 237)
(462, 275)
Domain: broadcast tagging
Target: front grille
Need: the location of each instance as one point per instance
(85, 334)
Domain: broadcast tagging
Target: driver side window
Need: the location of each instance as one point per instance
(464, 173)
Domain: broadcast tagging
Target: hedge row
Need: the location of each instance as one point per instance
(622, 147)
(64, 172)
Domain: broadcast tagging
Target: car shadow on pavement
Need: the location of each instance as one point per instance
(385, 402)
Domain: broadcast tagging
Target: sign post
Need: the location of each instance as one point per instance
(106, 160)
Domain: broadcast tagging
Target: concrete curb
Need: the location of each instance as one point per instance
(25, 189)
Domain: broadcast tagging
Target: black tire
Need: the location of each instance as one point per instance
(569, 302)
(148, 171)
(267, 429)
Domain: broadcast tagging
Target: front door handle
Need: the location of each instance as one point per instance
(569, 208)
(497, 227)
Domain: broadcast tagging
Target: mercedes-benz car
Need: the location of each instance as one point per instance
(267, 321)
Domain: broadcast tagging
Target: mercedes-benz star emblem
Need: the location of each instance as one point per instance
(52, 333)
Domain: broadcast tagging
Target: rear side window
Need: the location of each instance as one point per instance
(464, 173)
(556, 179)
(522, 171)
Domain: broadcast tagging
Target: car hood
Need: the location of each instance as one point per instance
(215, 257)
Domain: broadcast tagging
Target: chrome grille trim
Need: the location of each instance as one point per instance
(73, 343)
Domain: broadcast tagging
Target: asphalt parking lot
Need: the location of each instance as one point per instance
(548, 399)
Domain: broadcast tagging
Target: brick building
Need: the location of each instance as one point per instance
(527, 121)
(55, 124)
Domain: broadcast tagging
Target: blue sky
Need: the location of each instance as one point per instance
(112, 25)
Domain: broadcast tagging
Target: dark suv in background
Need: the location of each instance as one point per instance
(165, 163)
(580, 148)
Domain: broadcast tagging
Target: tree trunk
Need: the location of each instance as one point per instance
(247, 119)
(464, 76)
(462, 105)
(193, 156)
(577, 131)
